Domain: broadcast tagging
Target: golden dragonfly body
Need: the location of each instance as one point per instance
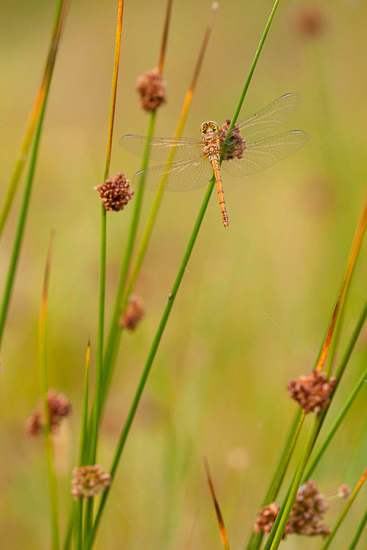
(190, 162)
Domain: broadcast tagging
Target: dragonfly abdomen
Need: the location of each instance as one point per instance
(215, 162)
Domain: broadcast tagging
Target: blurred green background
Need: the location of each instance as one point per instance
(255, 301)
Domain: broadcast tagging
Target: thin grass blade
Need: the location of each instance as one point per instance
(344, 512)
(40, 98)
(222, 528)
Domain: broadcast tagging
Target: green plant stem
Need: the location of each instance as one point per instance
(95, 416)
(35, 112)
(277, 479)
(79, 512)
(335, 426)
(358, 533)
(252, 68)
(153, 350)
(115, 331)
(336, 337)
(99, 362)
(25, 203)
(69, 529)
(344, 512)
(350, 346)
(54, 509)
(83, 449)
(341, 367)
(277, 531)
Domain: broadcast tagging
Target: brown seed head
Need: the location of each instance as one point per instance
(152, 90)
(308, 511)
(306, 515)
(309, 21)
(312, 391)
(266, 518)
(134, 313)
(236, 145)
(34, 424)
(115, 193)
(344, 491)
(89, 481)
(59, 407)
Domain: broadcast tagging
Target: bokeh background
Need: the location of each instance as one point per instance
(255, 301)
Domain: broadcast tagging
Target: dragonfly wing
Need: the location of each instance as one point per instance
(263, 154)
(268, 119)
(180, 176)
(161, 148)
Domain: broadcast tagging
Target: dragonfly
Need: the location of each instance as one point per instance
(244, 150)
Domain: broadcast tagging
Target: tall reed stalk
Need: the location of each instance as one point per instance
(94, 425)
(54, 507)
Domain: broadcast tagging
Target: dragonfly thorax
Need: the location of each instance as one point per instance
(211, 140)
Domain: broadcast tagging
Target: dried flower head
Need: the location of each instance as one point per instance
(344, 491)
(308, 511)
(89, 481)
(115, 193)
(59, 407)
(312, 391)
(236, 145)
(266, 518)
(152, 90)
(309, 20)
(34, 424)
(134, 313)
(306, 516)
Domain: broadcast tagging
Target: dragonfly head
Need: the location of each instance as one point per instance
(209, 126)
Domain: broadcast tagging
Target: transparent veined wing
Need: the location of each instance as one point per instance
(160, 148)
(263, 154)
(270, 118)
(180, 176)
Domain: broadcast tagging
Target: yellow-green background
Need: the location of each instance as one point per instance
(255, 301)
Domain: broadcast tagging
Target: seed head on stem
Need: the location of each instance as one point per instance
(115, 193)
(312, 391)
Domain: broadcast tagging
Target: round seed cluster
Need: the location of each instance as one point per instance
(310, 21)
(115, 193)
(152, 90)
(236, 145)
(134, 313)
(59, 407)
(312, 391)
(89, 481)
